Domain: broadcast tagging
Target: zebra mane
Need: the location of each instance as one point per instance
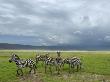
(16, 56)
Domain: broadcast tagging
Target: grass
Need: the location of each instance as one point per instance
(96, 68)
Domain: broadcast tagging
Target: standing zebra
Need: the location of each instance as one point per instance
(73, 62)
(49, 62)
(41, 58)
(22, 63)
(59, 62)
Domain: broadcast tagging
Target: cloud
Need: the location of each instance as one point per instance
(6, 8)
(107, 38)
(55, 22)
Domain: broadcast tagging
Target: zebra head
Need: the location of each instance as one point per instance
(66, 61)
(14, 58)
(38, 57)
(47, 55)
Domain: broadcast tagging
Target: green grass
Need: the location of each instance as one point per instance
(96, 67)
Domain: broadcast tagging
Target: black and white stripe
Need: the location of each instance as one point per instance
(76, 62)
(41, 58)
(56, 62)
(59, 62)
(20, 63)
(73, 62)
(49, 62)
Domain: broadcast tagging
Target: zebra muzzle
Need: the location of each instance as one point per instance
(10, 61)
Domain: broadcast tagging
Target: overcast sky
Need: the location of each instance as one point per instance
(55, 22)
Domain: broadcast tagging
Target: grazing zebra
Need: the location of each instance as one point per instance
(57, 62)
(22, 63)
(49, 62)
(76, 62)
(73, 62)
(41, 58)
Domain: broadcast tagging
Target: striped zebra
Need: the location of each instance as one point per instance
(76, 62)
(49, 62)
(45, 59)
(58, 62)
(41, 58)
(73, 62)
(20, 63)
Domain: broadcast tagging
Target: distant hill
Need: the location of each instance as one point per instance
(15, 46)
(19, 46)
(58, 47)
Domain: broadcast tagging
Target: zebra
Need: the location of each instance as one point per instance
(20, 63)
(73, 62)
(49, 61)
(41, 58)
(59, 62)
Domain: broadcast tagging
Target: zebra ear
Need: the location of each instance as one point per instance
(58, 52)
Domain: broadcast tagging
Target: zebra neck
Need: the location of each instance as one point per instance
(17, 62)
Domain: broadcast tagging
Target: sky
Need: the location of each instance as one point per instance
(55, 22)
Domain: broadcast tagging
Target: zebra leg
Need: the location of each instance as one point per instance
(50, 69)
(77, 68)
(61, 67)
(34, 71)
(20, 71)
(17, 72)
(30, 70)
(58, 70)
(72, 68)
(42, 63)
(34, 68)
(45, 68)
(69, 68)
(36, 61)
(80, 66)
